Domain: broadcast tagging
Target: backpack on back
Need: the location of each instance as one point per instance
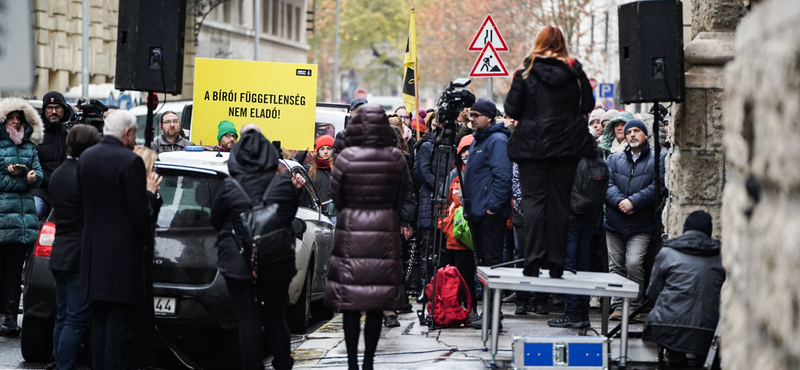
(453, 299)
(265, 238)
(589, 187)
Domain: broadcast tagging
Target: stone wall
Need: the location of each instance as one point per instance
(761, 208)
(59, 45)
(696, 174)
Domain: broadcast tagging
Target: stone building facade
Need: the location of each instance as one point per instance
(227, 33)
(761, 205)
(696, 174)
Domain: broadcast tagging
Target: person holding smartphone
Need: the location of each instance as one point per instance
(21, 173)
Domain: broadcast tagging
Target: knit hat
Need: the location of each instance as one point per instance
(597, 114)
(324, 140)
(465, 142)
(54, 97)
(356, 102)
(620, 117)
(661, 109)
(635, 123)
(226, 127)
(700, 221)
(608, 115)
(485, 107)
(418, 126)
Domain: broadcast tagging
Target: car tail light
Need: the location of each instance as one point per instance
(44, 243)
(299, 236)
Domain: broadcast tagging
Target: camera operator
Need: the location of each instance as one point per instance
(55, 114)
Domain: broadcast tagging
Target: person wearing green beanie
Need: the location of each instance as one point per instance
(226, 135)
(612, 141)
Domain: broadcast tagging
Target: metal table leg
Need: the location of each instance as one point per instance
(623, 345)
(485, 319)
(495, 322)
(604, 306)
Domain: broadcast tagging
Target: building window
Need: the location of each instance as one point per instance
(289, 21)
(226, 12)
(264, 15)
(275, 14)
(297, 23)
(241, 12)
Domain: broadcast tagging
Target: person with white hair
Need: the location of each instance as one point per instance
(117, 196)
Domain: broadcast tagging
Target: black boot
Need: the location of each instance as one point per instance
(522, 309)
(570, 320)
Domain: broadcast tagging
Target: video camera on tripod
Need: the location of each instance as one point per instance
(92, 113)
(451, 103)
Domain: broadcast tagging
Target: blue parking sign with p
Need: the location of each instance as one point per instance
(606, 90)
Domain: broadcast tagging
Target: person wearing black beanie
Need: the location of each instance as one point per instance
(55, 114)
(685, 286)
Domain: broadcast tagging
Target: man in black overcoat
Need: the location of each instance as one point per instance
(117, 213)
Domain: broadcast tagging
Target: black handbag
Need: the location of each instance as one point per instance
(266, 239)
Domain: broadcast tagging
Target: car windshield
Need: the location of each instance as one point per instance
(187, 199)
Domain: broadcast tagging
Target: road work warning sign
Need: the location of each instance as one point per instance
(278, 97)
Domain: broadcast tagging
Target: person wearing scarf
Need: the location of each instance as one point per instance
(320, 169)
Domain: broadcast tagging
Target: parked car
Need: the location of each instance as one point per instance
(191, 300)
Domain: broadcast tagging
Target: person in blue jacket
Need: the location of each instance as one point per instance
(630, 206)
(487, 186)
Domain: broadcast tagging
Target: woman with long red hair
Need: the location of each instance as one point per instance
(551, 98)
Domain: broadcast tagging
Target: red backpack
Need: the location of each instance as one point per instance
(451, 292)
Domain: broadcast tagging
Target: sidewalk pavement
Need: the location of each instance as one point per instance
(412, 346)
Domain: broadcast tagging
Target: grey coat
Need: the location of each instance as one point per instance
(685, 285)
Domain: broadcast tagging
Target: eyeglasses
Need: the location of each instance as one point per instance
(53, 108)
(170, 122)
(230, 136)
(475, 115)
(464, 158)
(404, 117)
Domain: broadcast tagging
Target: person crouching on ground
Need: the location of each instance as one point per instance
(685, 286)
(368, 186)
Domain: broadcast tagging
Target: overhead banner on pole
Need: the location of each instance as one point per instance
(280, 98)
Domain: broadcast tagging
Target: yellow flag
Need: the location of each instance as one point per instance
(410, 59)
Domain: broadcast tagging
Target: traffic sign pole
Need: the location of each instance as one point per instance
(489, 89)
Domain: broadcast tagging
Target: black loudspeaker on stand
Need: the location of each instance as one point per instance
(651, 51)
(150, 45)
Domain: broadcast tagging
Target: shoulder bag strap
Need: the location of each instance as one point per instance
(239, 186)
(269, 188)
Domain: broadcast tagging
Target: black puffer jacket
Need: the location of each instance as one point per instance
(551, 105)
(254, 162)
(685, 285)
(52, 150)
(635, 181)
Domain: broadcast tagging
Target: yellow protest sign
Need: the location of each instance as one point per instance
(280, 98)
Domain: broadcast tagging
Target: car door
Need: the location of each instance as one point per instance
(319, 230)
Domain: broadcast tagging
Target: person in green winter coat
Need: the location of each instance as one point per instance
(20, 173)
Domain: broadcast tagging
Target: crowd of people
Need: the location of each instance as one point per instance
(511, 178)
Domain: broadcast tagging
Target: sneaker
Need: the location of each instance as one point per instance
(569, 320)
(10, 329)
(407, 308)
(510, 298)
(558, 300)
(391, 321)
(594, 302)
(616, 315)
(539, 308)
(522, 309)
(478, 324)
(473, 316)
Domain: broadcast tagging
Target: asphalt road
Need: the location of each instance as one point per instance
(11, 357)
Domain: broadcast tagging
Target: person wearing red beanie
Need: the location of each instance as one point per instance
(320, 169)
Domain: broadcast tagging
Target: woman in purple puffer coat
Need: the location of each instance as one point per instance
(368, 186)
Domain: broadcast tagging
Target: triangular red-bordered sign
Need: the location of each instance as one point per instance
(490, 35)
(488, 64)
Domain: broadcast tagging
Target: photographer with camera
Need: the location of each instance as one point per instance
(55, 115)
